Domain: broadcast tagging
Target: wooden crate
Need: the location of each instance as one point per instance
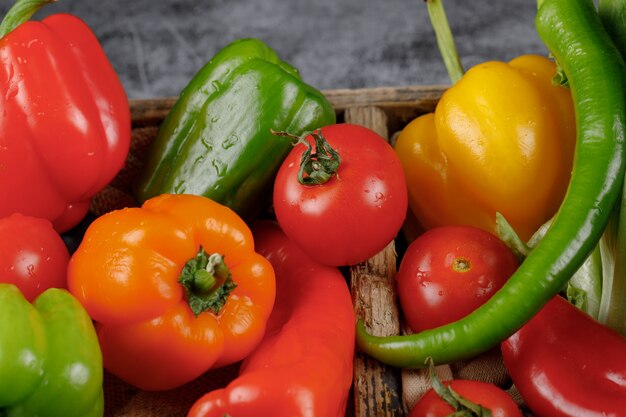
(378, 390)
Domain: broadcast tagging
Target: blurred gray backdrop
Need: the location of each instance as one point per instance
(156, 46)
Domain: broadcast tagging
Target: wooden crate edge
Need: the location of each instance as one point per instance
(418, 98)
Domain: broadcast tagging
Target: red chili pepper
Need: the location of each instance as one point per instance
(303, 366)
(65, 120)
(564, 363)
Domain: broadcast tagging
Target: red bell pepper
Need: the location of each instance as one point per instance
(65, 120)
(303, 366)
(564, 363)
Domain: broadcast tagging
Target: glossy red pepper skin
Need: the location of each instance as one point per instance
(65, 120)
(564, 363)
(304, 364)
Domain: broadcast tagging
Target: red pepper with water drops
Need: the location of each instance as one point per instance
(65, 120)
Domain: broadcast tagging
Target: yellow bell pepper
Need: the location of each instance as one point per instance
(501, 139)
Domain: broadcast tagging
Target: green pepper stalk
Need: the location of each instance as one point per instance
(445, 40)
(20, 12)
(572, 31)
(207, 281)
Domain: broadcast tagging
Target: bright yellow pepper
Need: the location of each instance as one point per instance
(501, 139)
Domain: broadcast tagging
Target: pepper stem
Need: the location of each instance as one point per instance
(19, 13)
(445, 40)
(207, 282)
(316, 166)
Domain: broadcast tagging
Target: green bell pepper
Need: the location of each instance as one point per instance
(50, 359)
(217, 142)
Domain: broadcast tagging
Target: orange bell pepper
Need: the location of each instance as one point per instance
(175, 288)
(501, 139)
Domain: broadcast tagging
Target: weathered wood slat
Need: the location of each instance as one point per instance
(394, 100)
(377, 387)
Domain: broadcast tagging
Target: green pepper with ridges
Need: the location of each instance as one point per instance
(217, 142)
(50, 359)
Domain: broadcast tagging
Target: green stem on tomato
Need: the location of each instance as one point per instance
(445, 40)
(19, 13)
(318, 164)
(461, 405)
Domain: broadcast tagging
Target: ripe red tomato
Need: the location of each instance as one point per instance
(357, 212)
(33, 255)
(448, 272)
(487, 395)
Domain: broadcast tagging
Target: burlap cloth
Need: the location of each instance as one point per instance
(119, 193)
(123, 400)
(487, 367)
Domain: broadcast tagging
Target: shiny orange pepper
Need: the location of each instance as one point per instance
(500, 140)
(175, 288)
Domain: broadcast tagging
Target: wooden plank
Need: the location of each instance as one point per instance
(377, 387)
(387, 98)
(394, 100)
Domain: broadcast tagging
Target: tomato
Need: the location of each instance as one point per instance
(487, 395)
(357, 211)
(33, 255)
(449, 271)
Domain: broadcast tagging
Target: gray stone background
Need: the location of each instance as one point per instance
(156, 46)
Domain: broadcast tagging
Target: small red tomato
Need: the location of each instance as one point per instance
(448, 272)
(356, 209)
(33, 255)
(487, 395)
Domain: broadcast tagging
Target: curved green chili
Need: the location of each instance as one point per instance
(574, 34)
(613, 16)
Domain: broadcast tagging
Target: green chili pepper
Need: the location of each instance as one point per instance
(217, 141)
(613, 16)
(572, 31)
(50, 359)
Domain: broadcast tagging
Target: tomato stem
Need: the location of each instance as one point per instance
(461, 405)
(316, 166)
(19, 13)
(207, 282)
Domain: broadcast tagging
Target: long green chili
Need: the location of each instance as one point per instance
(573, 32)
